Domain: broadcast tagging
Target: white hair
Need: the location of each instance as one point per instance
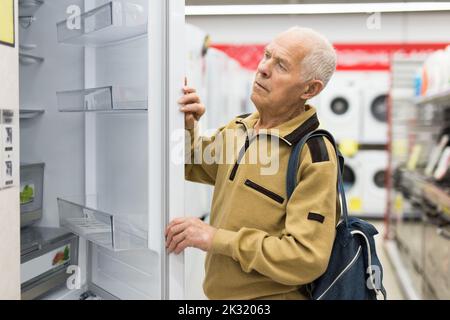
(320, 62)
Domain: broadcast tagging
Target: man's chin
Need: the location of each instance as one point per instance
(256, 99)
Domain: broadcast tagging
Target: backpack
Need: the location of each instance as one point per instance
(354, 271)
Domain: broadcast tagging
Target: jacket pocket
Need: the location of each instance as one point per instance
(264, 191)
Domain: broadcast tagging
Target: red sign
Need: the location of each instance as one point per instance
(351, 56)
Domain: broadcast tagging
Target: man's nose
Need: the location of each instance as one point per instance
(264, 69)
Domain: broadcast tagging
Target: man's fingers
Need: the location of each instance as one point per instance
(181, 246)
(174, 222)
(189, 98)
(174, 230)
(197, 109)
(187, 89)
(176, 240)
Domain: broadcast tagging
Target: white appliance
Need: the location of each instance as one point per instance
(197, 198)
(339, 107)
(105, 86)
(354, 184)
(374, 164)
(228, 89)
(374, 108)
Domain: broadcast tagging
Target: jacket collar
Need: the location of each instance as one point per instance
(290, 131)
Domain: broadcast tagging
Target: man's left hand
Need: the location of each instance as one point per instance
(189, 232)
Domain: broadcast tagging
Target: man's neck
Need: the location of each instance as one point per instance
(266, 121)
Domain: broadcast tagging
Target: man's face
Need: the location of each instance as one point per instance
(278, 84)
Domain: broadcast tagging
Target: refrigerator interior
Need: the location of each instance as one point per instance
(92, 132)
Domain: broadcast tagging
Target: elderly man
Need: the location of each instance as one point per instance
(260, 245)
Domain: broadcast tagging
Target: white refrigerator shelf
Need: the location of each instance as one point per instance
(30, 113)
(104, 229)
(28, 59)
(111, 98)
(27, 8)
(110, 23)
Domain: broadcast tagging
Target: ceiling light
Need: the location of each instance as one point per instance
(332, 8)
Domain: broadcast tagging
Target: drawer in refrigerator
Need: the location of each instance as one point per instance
(46, 253)
(31, 192)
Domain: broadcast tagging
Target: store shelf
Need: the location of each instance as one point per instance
(439, 197)
(30, 113)
(412, 184)
(423, 190)
(27, 8)
(109, 23)
(104, 229)
(103, 99)
(439, 98)
(28, 59)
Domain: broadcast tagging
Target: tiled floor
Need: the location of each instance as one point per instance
(390, 281)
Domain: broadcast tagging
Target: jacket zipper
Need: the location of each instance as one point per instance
(241, 154)
(244, 149)
(264, 191)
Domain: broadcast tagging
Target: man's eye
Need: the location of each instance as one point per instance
(266, 55)
(282, 66)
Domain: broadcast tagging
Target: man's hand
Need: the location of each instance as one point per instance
(189, 232)
(191, 106)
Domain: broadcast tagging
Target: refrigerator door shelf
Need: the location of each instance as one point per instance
(103, 99)
(28, 59)
(27, 8)
(110, 23)
(30, 113)
(114, 232)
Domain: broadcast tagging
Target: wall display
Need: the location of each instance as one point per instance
(436, 154)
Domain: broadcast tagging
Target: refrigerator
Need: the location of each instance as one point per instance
(99, 84)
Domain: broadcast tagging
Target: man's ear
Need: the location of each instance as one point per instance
(312, 89)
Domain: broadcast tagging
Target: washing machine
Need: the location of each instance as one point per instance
(375, 89)
(353, 184)
(374, 166)
(339, 107)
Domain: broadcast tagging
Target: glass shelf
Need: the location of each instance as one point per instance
(28, 59)
(30, 113)
(27, 8)
(110, 23)
(116, 233)
(103, 99)
(27, 47)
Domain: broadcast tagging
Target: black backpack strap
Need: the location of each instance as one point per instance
(293, 165)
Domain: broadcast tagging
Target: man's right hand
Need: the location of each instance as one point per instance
(191, 106)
